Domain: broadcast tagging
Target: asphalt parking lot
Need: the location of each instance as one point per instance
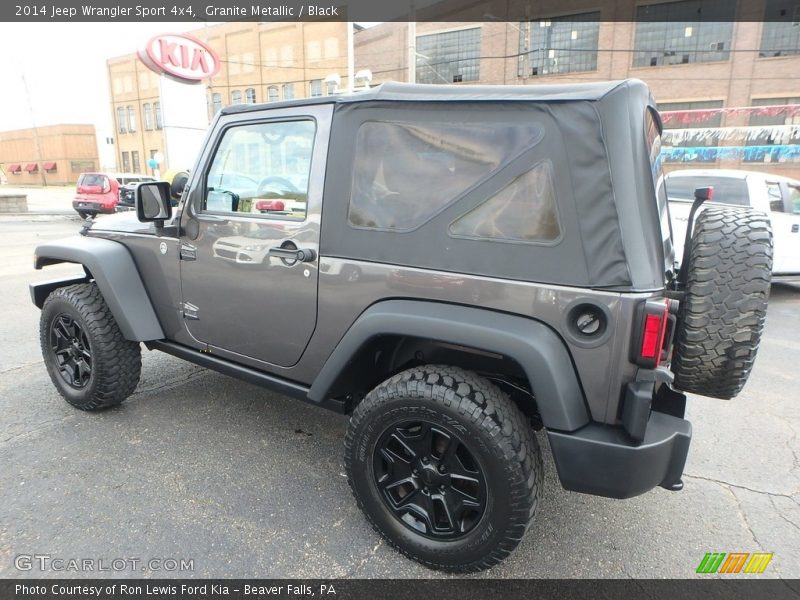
(248, 483)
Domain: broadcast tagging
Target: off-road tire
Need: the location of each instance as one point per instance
(499, 436)
(722, 316)
(115, 362)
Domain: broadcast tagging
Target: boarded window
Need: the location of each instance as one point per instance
(404, 174)
(523, 211)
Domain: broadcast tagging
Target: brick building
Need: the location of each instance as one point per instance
(261, 62)
(52, 155)
(746, 54)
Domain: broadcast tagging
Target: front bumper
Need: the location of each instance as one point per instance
(605, 461)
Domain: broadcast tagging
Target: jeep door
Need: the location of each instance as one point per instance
(250, 239)
(784, 214)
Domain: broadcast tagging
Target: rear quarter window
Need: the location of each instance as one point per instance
(405, 173)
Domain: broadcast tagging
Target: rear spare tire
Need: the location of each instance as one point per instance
(722, 314)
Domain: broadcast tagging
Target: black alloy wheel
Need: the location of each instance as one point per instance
(444, 466)
(72, 353)
(88, 359)
(429, 479)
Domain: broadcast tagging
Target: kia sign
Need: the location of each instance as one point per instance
(180, 56)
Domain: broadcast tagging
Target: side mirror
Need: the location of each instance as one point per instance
(153, 202)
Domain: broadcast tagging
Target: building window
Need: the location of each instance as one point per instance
(131, 119)
(236, 97)
(135, 161)
(683, 32)
(331, 87)
(288, 91)
(314, 51)
(248, 62)
(126, 162)
(331, 47)
(250, 95)
(780, 32)
(315, 88)
(216, 103)
(783, 130)
(449, 57)
(287, 56)
(272, 93)
(122, 119)
(148, 116)
(157, 110)
(676, 140)
(564, 44)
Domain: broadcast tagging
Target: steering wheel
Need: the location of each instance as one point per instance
(284, 185)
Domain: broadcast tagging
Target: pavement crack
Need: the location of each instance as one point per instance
(781, 515)
(22, 366)
(172, 383)
(743, 518)
(33, 430)
(742, 487)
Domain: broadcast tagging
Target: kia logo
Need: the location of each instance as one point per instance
(180, 56)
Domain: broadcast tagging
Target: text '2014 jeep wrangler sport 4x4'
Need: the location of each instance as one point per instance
(457, 267)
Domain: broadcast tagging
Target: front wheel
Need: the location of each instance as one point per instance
(445, 467)
(89, 361)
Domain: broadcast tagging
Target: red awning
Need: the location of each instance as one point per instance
(51, 166)
(14, 168)
(31, 167)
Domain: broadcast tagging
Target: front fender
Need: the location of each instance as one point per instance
(112, 267)
(534, 346)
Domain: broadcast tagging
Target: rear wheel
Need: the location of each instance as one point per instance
(445, 467)
(89, 361)
(722, 315)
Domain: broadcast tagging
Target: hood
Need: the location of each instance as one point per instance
(124, 222)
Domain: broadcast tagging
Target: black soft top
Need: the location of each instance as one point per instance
(415, 92)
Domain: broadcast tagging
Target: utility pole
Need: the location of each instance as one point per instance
(36, 144)
(351, 58)
(412, 44)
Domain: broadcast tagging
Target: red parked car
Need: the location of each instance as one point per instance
(99, 192)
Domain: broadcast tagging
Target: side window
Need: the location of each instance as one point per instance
(774, 196)
(523, 211)
(794, 198)
(403, 173)
(262, 168)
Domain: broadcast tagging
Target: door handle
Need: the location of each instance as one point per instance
(293, 254)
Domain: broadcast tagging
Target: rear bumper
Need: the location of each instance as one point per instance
(93, 207)
(605, 461)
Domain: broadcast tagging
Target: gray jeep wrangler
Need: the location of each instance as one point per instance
(454, 267)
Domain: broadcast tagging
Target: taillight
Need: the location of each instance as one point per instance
(647, 348)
